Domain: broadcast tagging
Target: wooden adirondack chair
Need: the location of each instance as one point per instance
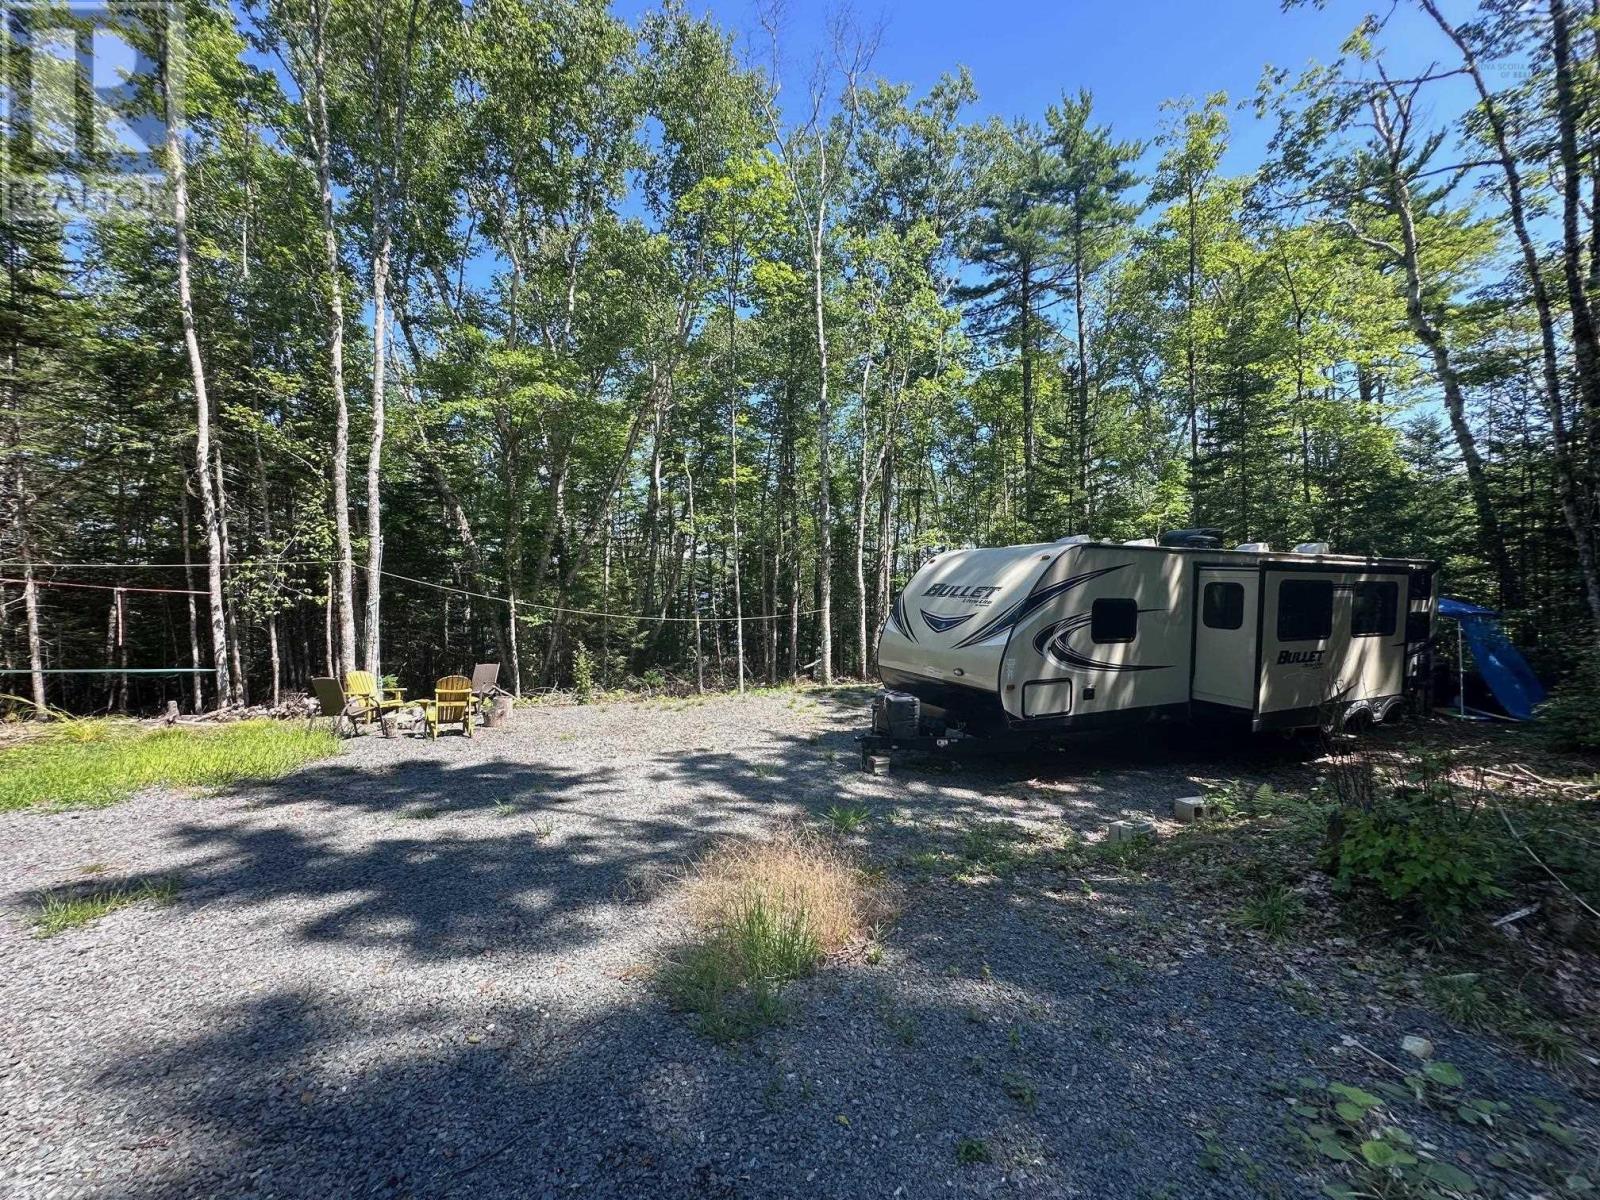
(451, 703)
(333, 703)
(368, 702)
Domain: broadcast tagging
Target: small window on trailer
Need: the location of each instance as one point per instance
(1222, 605)
(1373, 609)
(1113, 620)
(1305, 610)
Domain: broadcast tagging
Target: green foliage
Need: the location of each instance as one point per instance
(1419, 849)
(100, 763)
(1571, 716)
(582, 674)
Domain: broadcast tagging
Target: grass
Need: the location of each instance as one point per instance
(95, 763)
(847, 818)
(972, 1151)
(1275, 912)
(60, 911)
(764, 914)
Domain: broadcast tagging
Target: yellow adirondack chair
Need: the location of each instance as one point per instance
(366, 700)
(451, 703)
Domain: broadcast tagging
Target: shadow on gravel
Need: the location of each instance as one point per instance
(1089, 1052)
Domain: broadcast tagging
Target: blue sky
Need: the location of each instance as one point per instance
(1132, 54)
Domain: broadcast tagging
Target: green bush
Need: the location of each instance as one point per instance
(1419, 850)
(1571, 716)
(583, 673)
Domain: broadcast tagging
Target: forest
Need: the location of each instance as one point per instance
(635, 353)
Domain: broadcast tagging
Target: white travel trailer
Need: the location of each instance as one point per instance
(1081, 634)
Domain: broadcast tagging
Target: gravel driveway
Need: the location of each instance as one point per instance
(422, 969)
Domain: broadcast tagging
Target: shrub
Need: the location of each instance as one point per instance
(1418, 849)
(583, 673)
(767, 913)
(1571, 715)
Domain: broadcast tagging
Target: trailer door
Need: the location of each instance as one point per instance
(1225, 600)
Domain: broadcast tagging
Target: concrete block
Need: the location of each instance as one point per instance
(1190, 808)
(878, 764)
(1129, 831)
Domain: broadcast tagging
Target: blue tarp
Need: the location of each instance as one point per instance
(1504, 669)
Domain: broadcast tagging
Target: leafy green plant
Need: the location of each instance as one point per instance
(1418, 848)
(583, 673)
(1568, 717)
(1358, 1134)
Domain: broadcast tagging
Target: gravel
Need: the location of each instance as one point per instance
(422, 969)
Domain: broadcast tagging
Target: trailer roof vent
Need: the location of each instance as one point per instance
(1312, 548)
(1076, 539)
(1254, 547)
(1140, 542)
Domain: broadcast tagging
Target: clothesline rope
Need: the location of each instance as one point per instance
(311, 562)
(103, 587)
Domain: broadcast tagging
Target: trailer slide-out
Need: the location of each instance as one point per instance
(1080, 634)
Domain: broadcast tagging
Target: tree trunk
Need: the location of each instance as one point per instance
(188, 575)
(238, 693)
(824, 466)
(1429, 334)
(191, 341)
(372, 655)
(694, 588)
(863, 488)
(1029, 447)
(1576, 502)
(733, 457)
(344, 555)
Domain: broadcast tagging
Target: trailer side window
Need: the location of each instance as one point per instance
(1222, 605)
(1305, 610)
(1113, 621)
(1373, 608)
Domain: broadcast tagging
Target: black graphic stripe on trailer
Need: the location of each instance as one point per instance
(897, 618)
(1031, 604)
(943, 624)
(1054, 642)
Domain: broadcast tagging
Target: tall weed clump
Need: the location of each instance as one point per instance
(764, 914)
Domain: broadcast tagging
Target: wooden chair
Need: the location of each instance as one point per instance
(485, 679)
(451, 703)
(333, 703)
(369, 703)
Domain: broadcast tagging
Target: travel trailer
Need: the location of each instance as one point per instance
(1083, 634)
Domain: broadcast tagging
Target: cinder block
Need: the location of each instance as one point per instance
(1129, 831)
(1190, 808)
(878, 764)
